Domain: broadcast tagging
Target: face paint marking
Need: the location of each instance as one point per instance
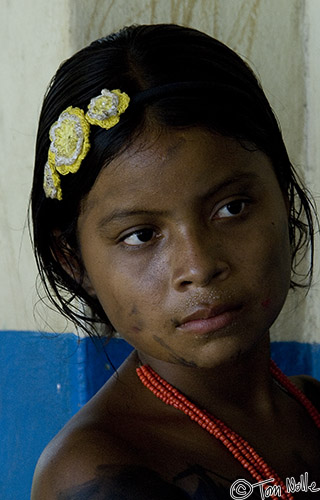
(134, 311)
(174, 355)
(136, 329)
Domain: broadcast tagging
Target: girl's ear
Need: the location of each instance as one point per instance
(70, 261)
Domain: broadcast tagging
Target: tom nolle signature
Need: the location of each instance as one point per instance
(242, 489)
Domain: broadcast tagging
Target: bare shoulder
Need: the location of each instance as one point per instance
(92, 465)
(310, 387)
(95, 457)
(71, 458)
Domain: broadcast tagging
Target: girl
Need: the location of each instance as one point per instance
(164, 200)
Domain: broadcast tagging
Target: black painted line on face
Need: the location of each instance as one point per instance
(181, 360)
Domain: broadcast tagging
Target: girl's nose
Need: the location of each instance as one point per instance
(198, 260)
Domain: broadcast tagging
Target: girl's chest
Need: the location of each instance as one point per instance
(200, 465)
(206, 474)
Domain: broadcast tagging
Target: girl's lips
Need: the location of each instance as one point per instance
(205, 321)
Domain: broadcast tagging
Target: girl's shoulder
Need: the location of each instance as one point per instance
(92, 464)
(309, 386)
(70, 459)
(95, 456)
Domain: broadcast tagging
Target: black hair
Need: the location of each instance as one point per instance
(175, 77)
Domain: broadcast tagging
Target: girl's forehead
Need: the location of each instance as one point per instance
(163, 152)
(167, 144)
(157, 165)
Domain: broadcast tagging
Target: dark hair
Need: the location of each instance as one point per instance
(175, 77)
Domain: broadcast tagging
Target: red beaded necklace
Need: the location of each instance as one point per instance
(238, 446)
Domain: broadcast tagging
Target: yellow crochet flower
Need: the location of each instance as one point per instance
(69, 141)
(69, 136)
(51, 183)
(105, 109)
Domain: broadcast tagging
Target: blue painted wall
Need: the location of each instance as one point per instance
(46, 378)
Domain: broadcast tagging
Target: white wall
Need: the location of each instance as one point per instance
(34, 37)
(279, 38)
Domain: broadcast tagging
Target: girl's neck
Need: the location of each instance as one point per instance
(242, 384)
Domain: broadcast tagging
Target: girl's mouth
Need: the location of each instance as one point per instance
(209, 320)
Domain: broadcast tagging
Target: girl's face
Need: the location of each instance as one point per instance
(184, 238)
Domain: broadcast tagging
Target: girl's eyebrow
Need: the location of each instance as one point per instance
(237, 177)
(121, 214)
(118, 215)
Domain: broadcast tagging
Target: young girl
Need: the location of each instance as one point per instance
(164, 200)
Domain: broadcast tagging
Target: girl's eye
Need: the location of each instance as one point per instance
(231, 209)
(139, 237)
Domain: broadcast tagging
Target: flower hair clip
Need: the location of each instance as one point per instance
(69, 136)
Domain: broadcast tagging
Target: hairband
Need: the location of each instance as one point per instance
(69, 136)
